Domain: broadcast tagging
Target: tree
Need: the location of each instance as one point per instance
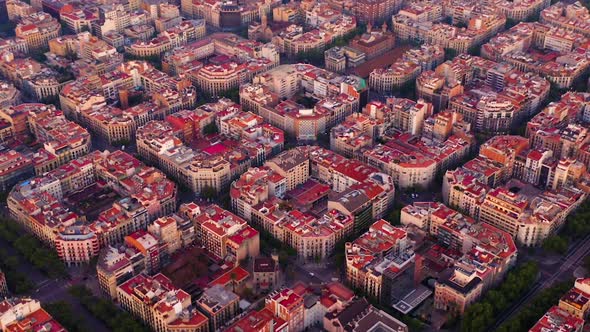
(38, 56)
(7, 29)
(23, 285)
(480, 316)
(450, 54)
(527, 317)
(106, 311)
(407, 90)
(474, 50)
(62, 312)
(314, 57)
(211, 129)
(556, 244)
(121, 142)
(283, 258)
(394, 217)
(306, 101)
(31, 249)
(208, 192)
(11, 262)
(71, 55)
(231, 94)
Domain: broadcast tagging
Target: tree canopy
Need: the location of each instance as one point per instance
(481, 315)
(103, 309)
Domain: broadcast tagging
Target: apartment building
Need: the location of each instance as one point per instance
(63, 140)
(160, 305)
(522, 9)
(573, 16)
(556, 319)
(523, 44)
(457, 290)
(219, 305)
(37, 29)
(116, 266)
(288, 306)
(41, 204)
(356, 133)
(156, 141)
(359, 315)
(577, 300)
(76, 245)
(216, 79)
(263, 320)
(224, 234)
(17, 9)
(9, 95)
(77, 19)
(406, 69)
(25, 314)
(14, 167)
(293, 165)
(373, 11)
(376, 257)
(265, 272)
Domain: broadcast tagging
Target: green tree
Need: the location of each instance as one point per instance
(11, 262)
(231, 94)
(7, 28)
(106, 311)
(480, 316)
(556, 244)
(63, 313)
(450, 54)
(536, 308)
(209, 193)
(284, 258)
(211, 129)
(394, 217)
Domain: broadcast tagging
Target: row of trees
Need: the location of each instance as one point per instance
(577, 225)
(480, 316)
(557, 244)
(116, 319)
(18, 282)
(63, 313)
(32, 249)
(527, 317)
